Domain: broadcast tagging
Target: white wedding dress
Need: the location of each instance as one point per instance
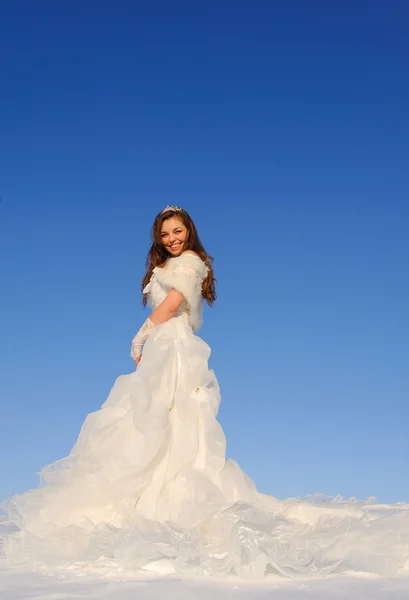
(147, 485)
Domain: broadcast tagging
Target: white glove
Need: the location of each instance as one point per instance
(140, 338)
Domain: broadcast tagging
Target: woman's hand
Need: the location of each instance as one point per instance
(138, 359)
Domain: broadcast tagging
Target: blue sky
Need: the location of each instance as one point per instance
(283, 129)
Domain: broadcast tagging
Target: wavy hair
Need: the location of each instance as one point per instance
(158, 254)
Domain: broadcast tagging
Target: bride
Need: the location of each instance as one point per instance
(147, 485)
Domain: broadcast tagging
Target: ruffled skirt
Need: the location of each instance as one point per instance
(147, 486)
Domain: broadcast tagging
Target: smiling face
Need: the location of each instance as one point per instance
(173, 235)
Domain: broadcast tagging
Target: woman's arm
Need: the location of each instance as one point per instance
(184, 278)
(162, 313)
(168, 308)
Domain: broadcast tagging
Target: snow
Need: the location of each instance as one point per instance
(19, 585)
(16, 584)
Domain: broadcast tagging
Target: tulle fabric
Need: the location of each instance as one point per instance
(147, 486)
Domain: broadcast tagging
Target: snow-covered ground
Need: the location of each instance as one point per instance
(21, 585)
(16, 585)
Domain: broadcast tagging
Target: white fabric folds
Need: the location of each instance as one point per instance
(147, 484)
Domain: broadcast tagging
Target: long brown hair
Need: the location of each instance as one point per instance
(158, 254)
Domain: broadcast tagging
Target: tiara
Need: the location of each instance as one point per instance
(171, 207)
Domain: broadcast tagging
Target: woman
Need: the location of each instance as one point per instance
(147, 485)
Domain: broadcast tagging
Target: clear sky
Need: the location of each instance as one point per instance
(283, 128)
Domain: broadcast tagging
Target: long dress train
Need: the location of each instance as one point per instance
(147, 484)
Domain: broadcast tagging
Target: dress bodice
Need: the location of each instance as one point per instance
(184, 273)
